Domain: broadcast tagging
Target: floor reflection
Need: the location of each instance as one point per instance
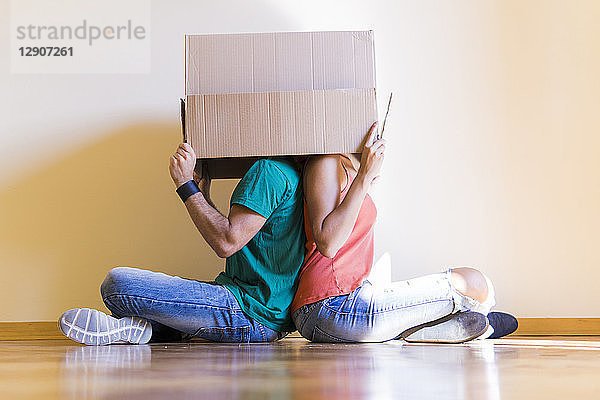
(294, 368)
(290, 369)
(106, 357)
(394, 370)
(98, 371)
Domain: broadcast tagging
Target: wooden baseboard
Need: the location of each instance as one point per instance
(527, 327)
(558, 327)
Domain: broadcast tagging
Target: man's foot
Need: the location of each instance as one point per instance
(454, 328)
(93, 327)
(503, 324)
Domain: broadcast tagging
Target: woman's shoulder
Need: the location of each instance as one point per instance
(326, 169)
(324, 164)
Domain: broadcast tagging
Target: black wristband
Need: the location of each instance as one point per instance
(187, 189)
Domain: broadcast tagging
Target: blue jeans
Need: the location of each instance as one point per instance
(377, 314)
(181, 308)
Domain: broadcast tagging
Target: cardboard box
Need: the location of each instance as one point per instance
(267, 94)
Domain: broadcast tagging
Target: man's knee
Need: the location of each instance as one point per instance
(470, 282)
(116, 281)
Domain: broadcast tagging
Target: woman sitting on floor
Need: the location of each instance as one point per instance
(334, 302)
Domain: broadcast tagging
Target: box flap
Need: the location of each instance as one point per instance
(282, 61)
(280, 123)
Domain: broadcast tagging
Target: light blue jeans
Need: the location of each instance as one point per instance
(378, 314)
(181, 308)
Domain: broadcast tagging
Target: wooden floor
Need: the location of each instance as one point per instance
(515, 368)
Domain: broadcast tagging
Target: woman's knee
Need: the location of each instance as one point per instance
(470, 282)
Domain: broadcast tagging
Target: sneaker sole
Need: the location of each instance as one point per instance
(95, 328)
(455, 328)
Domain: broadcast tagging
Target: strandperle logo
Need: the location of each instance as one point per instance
(80, 36)
(85, 31)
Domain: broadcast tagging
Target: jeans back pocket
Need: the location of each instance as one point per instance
(321, 337)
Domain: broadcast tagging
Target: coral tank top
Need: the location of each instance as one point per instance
(321, 277)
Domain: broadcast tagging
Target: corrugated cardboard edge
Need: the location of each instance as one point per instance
(182, 107)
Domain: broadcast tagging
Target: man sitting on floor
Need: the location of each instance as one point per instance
(262, 240)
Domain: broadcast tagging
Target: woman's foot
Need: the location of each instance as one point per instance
(93, 327)
(503, 324)
(454, 328)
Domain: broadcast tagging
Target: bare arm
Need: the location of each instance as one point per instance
(332, 220)
(225, 235)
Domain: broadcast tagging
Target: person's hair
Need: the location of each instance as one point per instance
(300, 162)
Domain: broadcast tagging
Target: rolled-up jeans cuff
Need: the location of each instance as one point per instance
(465, 303)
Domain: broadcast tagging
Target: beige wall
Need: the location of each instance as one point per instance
(493, 152)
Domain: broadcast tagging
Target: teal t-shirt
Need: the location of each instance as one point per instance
(262, 275)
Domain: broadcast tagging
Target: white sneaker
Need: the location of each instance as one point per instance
(93, 327)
